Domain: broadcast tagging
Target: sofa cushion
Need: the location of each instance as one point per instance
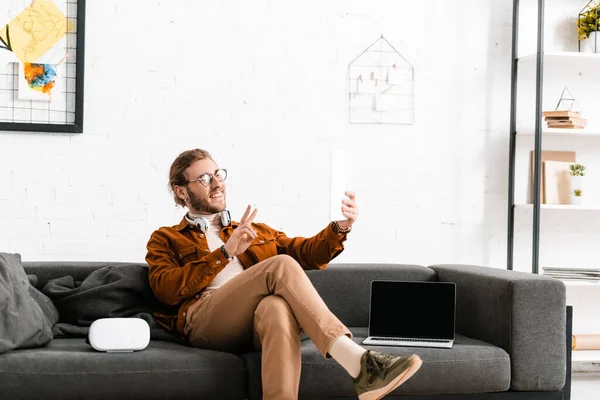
(471, 366)
(26, 314)
(47, 270)
(108, 292)
(88, 291)
(356, 279)
(111, 291)
(71, 369)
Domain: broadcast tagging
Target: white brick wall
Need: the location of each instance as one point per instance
(262, 85)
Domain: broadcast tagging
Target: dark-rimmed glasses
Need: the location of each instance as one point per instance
(207, 179)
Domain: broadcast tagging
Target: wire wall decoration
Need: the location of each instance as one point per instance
(381, 86)
(42, 65)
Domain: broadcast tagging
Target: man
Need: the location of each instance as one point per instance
(238, 285)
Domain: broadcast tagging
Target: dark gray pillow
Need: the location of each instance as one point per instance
(26, 314)
(113, 291)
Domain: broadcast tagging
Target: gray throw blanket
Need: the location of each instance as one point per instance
(108, 292)
(26, 315)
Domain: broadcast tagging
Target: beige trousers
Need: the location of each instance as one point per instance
(265, 307)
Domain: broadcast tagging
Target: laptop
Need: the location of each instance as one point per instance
(412, 313)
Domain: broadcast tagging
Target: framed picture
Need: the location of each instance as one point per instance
(42, 54)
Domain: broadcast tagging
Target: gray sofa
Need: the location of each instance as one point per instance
(512, 342)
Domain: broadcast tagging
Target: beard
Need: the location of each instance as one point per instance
(203, 205)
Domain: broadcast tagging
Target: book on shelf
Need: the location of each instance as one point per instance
(548, 155)
(565, 120)
(585, 342)
(571, 269)
(566, 126)
(579, 274)
(574, 114)
(570, 277)
(557, 182)
(575, 120)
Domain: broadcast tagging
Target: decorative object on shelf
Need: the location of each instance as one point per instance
(42, 66)
(557, 185)
(567, 102)
(576, 197)
(548, 155)
(381, 86)
(577, 172)
(567, 114)
(588, 25)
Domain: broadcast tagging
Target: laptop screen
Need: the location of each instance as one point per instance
(421, 310)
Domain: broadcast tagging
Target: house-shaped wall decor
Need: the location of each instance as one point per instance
(381, 86)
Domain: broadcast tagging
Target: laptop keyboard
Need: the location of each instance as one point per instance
(410, 340)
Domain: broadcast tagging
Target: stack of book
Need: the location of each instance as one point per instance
(585, 342)
(564, 119)
(579, 274)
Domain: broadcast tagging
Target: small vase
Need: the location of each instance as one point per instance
(576, 182)
(591, 44)
(576, 200)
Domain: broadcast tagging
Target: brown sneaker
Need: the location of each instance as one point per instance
(381, 373)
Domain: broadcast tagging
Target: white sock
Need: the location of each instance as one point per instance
(347, 354)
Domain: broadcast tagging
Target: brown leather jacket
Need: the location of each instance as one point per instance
(181, 265)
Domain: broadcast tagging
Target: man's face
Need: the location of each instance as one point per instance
(204, 199)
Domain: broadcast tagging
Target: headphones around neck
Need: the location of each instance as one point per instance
(203, 224)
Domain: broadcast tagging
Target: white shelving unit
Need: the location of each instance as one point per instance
(585, 361)
(579, 73)
(563, 207)
(563, 134)
(563, 65)
(564, 56)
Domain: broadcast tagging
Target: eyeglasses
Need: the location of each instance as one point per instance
(207, 179)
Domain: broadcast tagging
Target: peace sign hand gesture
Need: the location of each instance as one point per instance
(243, 235)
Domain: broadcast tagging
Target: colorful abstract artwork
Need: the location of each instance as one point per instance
(36, 81)
(42, 48)
(34, 31)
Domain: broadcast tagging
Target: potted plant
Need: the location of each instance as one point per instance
(588, 25)
(577, 172)
(576, 196)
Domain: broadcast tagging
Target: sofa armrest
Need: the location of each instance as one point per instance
(523, 313)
